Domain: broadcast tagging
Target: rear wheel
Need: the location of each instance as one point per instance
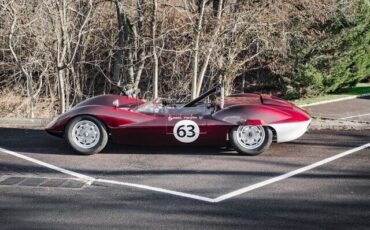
(86, 135)
(250, 140)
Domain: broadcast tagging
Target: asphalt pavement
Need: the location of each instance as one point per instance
(357, 109)
(335, 195)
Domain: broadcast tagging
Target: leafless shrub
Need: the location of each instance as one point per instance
(63, 51)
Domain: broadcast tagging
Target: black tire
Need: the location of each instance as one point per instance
(254, 151)
(101, 143)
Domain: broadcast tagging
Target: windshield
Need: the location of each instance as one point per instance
(153, 106)
(196, 106)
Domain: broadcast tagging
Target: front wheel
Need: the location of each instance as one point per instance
(86, 135)
(250, 140)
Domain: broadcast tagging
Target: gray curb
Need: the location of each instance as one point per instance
(334, 100)
(24, 122)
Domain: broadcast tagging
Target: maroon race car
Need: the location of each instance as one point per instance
(249, 122)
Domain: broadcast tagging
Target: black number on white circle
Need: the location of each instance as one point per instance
(189, 132)
(180, 131)
(186, 131)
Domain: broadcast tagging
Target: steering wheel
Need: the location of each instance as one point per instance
(167, 101)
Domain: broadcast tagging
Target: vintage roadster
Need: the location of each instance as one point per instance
(246, 122)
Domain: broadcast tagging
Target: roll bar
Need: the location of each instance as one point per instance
(215, 89)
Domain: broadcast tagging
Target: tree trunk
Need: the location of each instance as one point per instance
(118, 55)
(197, 32)
(61, 93)
(211, 46)
(139, 44)
(28, 76)
(155, 56)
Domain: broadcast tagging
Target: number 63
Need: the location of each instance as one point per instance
(187, 131)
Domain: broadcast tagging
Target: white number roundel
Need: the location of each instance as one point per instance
(186, 131)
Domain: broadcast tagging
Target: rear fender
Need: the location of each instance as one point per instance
(287, 123)
(254, 122)
(251, 114)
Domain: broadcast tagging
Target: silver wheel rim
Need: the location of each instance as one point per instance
(85, 134)
(250, 137)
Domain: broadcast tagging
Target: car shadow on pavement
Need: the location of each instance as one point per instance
(38, 141)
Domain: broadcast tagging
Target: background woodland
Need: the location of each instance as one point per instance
(55, 53)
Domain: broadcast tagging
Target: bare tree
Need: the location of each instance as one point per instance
(211, 44)
(55, 53)
(154, 49)
(69, 35)
(197, 33)
(123, 35)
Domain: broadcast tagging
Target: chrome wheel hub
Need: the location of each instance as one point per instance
(250, 137)
(85, 134)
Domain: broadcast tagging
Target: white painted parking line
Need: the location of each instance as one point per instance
(188, 195)
(156, 189)
(90, 180)
(361, 115)
(47, 165)
(289, 174)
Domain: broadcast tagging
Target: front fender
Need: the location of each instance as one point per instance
(112, 117)
(107, 100)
